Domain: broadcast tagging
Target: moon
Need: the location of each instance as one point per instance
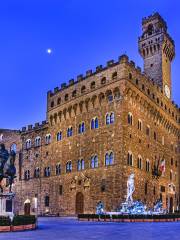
(49, 51)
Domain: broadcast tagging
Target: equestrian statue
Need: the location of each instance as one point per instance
(7, 167)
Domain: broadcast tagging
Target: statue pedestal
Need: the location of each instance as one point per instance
(7, 204)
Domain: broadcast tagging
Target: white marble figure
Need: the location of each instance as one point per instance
(130, 188)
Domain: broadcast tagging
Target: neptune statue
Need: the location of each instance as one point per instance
(130, 189)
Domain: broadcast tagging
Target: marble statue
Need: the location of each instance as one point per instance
(100, 208)
(130, 188)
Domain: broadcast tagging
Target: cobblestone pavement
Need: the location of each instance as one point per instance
(71, 229)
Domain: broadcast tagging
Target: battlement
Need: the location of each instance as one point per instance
(100, 68)
(154, 17)
(156, 92)
(36, 126)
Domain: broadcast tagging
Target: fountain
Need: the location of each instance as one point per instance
(131, 207)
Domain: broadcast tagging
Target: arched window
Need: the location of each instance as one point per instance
(69, 132)
(81, 128)
(107, 119)
(66, 97)
(80, 164)
(130, 159)
(139, 162)
(37, 172)
(47, 172)
(59, 101)
(58, 169)
(74, 93)
(103, 80)
(130, 76)
(147, 165)
(110, 97)
(111, 118)
(26, 175)
(93, 85)
(52, 104)
(37, 141)
(94, 123)
(83, 89)
(114, 76)
(28, 143)
(150, 29)
(68, 167)
(94, 161)
(48, 138)
(59, 136)
(109, 158)
(130, 119)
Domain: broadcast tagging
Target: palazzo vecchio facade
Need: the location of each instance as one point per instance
(99, 129)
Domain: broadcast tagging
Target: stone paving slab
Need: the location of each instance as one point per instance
(71, 229)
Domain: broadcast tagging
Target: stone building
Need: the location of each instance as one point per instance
(102, 127)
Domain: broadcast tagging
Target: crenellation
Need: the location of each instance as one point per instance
(71, 82)
(63, 86)
(80, 77)
(110, 63)
(30, 127)
(23, 129)
(99, 68)
(89, 73)
(56, 89)
(123, 58)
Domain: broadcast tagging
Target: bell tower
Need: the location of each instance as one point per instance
(158, 50)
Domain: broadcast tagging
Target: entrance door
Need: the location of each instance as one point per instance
(79, 203)
(27, 208)
(171, 205)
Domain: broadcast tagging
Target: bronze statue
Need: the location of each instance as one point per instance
(7, 167)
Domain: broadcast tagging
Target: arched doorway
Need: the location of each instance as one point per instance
(79, 203)
(171, 205)
(27, 207)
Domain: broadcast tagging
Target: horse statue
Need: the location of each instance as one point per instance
(7, 167)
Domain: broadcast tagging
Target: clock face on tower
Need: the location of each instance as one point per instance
(167, 91)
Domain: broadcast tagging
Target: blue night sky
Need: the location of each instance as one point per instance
(81, 33)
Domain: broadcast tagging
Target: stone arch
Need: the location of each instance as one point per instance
(101, 98)
(60, 115)
(65, 113)
(116, 93)
(81, 106)
(75, 106)
(94, 100)
(86, 102)
(55, 118)
(51, 120)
